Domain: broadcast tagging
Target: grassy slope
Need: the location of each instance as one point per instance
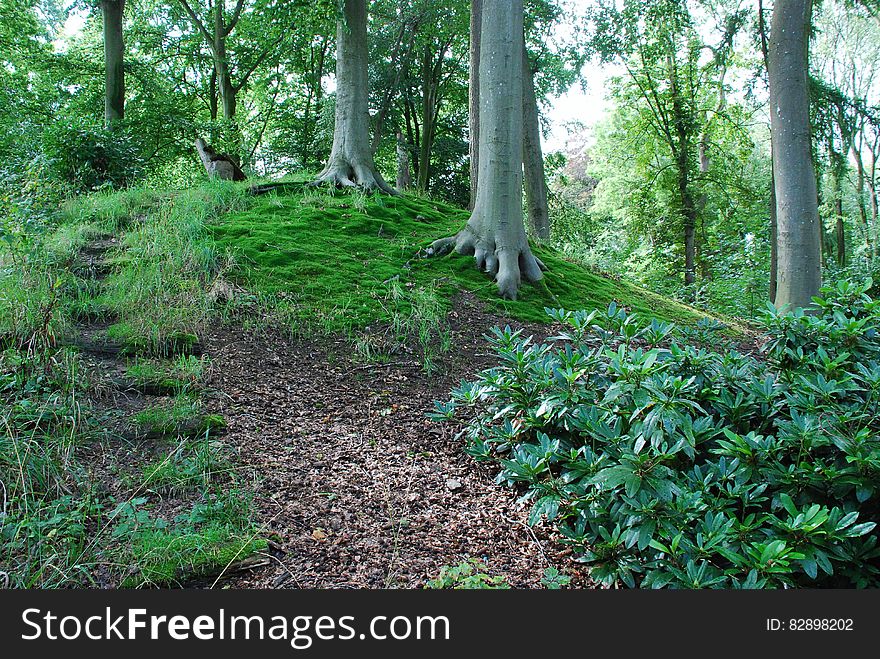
(333, 251)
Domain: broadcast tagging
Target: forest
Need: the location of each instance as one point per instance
(336, 294)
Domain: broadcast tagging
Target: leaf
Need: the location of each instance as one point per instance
(810, 567)
(788, 504)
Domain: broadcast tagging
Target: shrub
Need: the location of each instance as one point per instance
(669, 465)
(87, 157)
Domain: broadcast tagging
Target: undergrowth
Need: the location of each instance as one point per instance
(59, 526)
(667, 463)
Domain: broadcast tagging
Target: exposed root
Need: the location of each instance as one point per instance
(506, 264)
(358, 175)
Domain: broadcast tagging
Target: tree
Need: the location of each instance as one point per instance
(660, 47)
(216, 26)
(799, 275)
(495, 233)
(114, 61)
(533, 157)
(476, 25)
(351, 157)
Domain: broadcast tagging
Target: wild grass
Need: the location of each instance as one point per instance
(161, 287)
(55, 530)
(180, 374)
(213, 535)
(183, 415)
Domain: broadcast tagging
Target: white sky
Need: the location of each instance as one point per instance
(577, 111)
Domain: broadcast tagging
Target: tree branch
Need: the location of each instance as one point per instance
(198, 23)
(236, 14)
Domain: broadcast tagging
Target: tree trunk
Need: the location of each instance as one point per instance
(429, 101)
(474, 97)
(533, 156)
(212, 92)
(681, 153)
(218, 165)
(351, 158)
(114, 61)
(875, 211)
(404, 175)
(774, 258)
(221, 65)
(495, 233)
(797, 212)
(398, 68)
(863, 210)
(837, 167)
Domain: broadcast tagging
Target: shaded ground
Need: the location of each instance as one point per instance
(355, 485)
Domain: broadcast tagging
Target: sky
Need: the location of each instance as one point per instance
(577, 111)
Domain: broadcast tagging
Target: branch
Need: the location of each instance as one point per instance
(259, 60)
(236, 14)
(198, 23)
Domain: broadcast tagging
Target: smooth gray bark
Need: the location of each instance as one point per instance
(495, 233)
(474, 97)
(533, 156)
(774, 256)
(404, 171)
(351, 158)
(114, 61)
(799, 275)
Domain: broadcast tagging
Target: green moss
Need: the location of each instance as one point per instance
(340, 250)
(183, 416)
(174, 375)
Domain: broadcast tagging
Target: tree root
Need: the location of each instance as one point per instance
(347, 175)
(508, 265)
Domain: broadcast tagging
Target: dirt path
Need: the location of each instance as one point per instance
(353, 485)
(357, 487)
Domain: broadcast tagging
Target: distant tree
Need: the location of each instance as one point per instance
(537, 208)
(270, 24)
(495, 233)
(799, 274)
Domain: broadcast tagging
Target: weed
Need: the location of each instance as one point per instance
(469, 575)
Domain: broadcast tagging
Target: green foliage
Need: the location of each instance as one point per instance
(87, 157)
(553, 579)
(665, 464)
(470, 575)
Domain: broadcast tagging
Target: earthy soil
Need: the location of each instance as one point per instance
(355, 485)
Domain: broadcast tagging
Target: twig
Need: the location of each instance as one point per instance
(531, 533)
(385, 365)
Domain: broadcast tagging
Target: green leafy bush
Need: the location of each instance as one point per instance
(665, 464)
(87, 157)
